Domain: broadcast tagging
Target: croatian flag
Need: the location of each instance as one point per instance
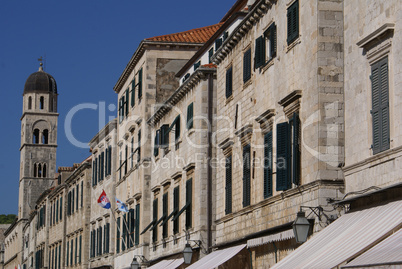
(103, 201)
(121, 206)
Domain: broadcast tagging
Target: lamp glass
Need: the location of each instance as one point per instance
(135, 264)
(187, 254)
(301, 227)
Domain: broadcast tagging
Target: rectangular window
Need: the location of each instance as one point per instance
(77, 197)
(190, 115)
(61, 208)
(118, 235)
(131, 227)
(218, 43)
(156, 143)
(246, 175)
(67, 252)
(107, 237)
(164, 136)
(80, 250)
(225, 35)
(380, 106)
(69, 204)
(176, 200)
(228, 187)
(293, 22)
(197, 65)
(132, 92)
(82, 195)
(210, 54)
(121, 109)
(268, 165)
(189, 198)
(140, 84)
(229, 81)
(124, 233)
(71, 251)
(137, 224)
(76, 250)
(165, 213)
(72, 200)
(247, 65)
(139, 147)
(57, 211)
(176, 124)
(155, 219)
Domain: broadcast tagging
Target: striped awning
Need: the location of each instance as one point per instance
(388, 252)
(255, 242)
(167, 264)
(347, 237)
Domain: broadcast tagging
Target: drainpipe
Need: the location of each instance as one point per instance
(209, 158)
(276, 252)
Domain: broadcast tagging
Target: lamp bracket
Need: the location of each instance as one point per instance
(141, 257)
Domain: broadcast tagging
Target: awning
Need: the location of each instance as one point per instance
(167, 264)
(270, 238)
(216, 258)
(387, 252)
(346, 237)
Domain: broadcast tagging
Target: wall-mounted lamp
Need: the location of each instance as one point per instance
(135, 264)
(301, 225)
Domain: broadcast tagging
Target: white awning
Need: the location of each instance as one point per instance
(386, 252)
(346, 237)
(270, 238)
(216, 258)
(167, 264)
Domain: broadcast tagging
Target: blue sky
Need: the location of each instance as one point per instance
(87, 45)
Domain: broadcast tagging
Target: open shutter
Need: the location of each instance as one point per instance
(259, 51)
(189, 197)
(268, 165)
(164, 135)
(283, 157)
(229, 82)
(296, 155)
(228, 187)
(272, 40)
(177, 128)
(246, 175)
(156, 143)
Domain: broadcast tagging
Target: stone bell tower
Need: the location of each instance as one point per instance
(38, 139)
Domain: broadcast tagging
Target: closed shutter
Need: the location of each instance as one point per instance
(82, 194)
(155, 219)
(137, 224)
(107, 237)
(132, 92)
(228, 187)
(296, 155)
(293, 22)
(176, 200)
(247, 65)
(272, 40)
(165, 135)
(77, 197)
(229, 82)
(100, 240)
(225, 35)
(189, 198)
(246, 175)
(71, 251)
(118, 235)
(57, 211)
(131, 226)
(268, 165)
(259, 52)
(69, 204)
(140, 84)
(156, 143)
(61, 208)
(72, 200)
(76, 250)
(283, 181)
(80, 251)
(165, 213)
(190, 111)
(126, 102)
(380, 106)
(91, 246)
(124, 235)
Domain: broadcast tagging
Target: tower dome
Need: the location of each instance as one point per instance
(40, 82)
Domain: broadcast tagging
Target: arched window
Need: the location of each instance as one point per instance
(45, 137)
(35, 170)
(44, 170)
(35, 139)
(30, 102)
(41, 102)
(39, 170)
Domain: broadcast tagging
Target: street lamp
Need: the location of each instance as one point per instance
(135, 264)
(187, 254)
(301, 226)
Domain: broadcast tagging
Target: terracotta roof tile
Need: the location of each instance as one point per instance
(199, 35)
(210, 65)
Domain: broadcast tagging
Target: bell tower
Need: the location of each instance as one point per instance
(38, 139)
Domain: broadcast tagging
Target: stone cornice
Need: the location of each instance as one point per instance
(259, 10)
(110, 126)
(144, 45)
(190, 83)
(387, 27)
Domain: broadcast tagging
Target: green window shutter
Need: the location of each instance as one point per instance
(247, 65)
(80, 251)
(53, 259)
(67, 252)
(225, 35)
(190, 112)
(124, 235)
(139, 147)
(259, 51)
(61, 208)
(100, 240)
(293, 22)
(76, 250)
(72, 200)
(164, 135)
(137, 224)
(71, 251)
(110, 160)
(246, 175)
(177, 128)
(108, 238)
(228, 187)
(133, 92)
(57, 211)
(296, 154)
(165, 213)
(380, 106)
(229, 82)
(272, 40)
(69, 204)
(156, 143)
(77, 197)
(197, 65)
(189, 198)
(268, 165)
(210, 54)
(283, 181)
(118, 235)
(155, 219)
(126, 102)
(82, 194)
(218, 43)
(176, 200)
(140, 84)
(131, 227)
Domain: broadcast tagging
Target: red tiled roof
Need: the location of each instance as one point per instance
(210, 65)
(199, 35)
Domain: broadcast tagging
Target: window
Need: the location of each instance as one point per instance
(293, 22)
(118, 235)
(140, 84)
(41, 102)
(155, 218)
(156, 143)
(69, 204)
(139, 147)
(133, 92)
(265, 46)
(176, 200)
(57, 211)
(190, 115)
(107, 238)
(137, 224)
(380, 106)
(228, 187)
(229, 82)
(218, 43)
(268, 165)
(131, 224)
(80, 251)
(126, 102)
(45, 137)
(210, 54)
(165, 212)
(44, 170)
(77, 197)
(67, 250)
(164, 136)
(101, 166)
(176, 124)
(121, 109)
(61, 208)
(29, 102)
(35, 139)
(94, 171)
(125, 159)
(246, 175)
(288, 154)
(247, 65)
(225, 35)
(196, 65)
(189, 198)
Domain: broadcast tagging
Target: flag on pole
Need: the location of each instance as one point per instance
(121, 206)
(103, 201)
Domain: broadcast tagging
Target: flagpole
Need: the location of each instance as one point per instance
(118, 228)
(130, 239)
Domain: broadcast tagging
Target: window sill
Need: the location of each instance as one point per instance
(248, 83)
(229, 99)
(293, 44)
(267, 65)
